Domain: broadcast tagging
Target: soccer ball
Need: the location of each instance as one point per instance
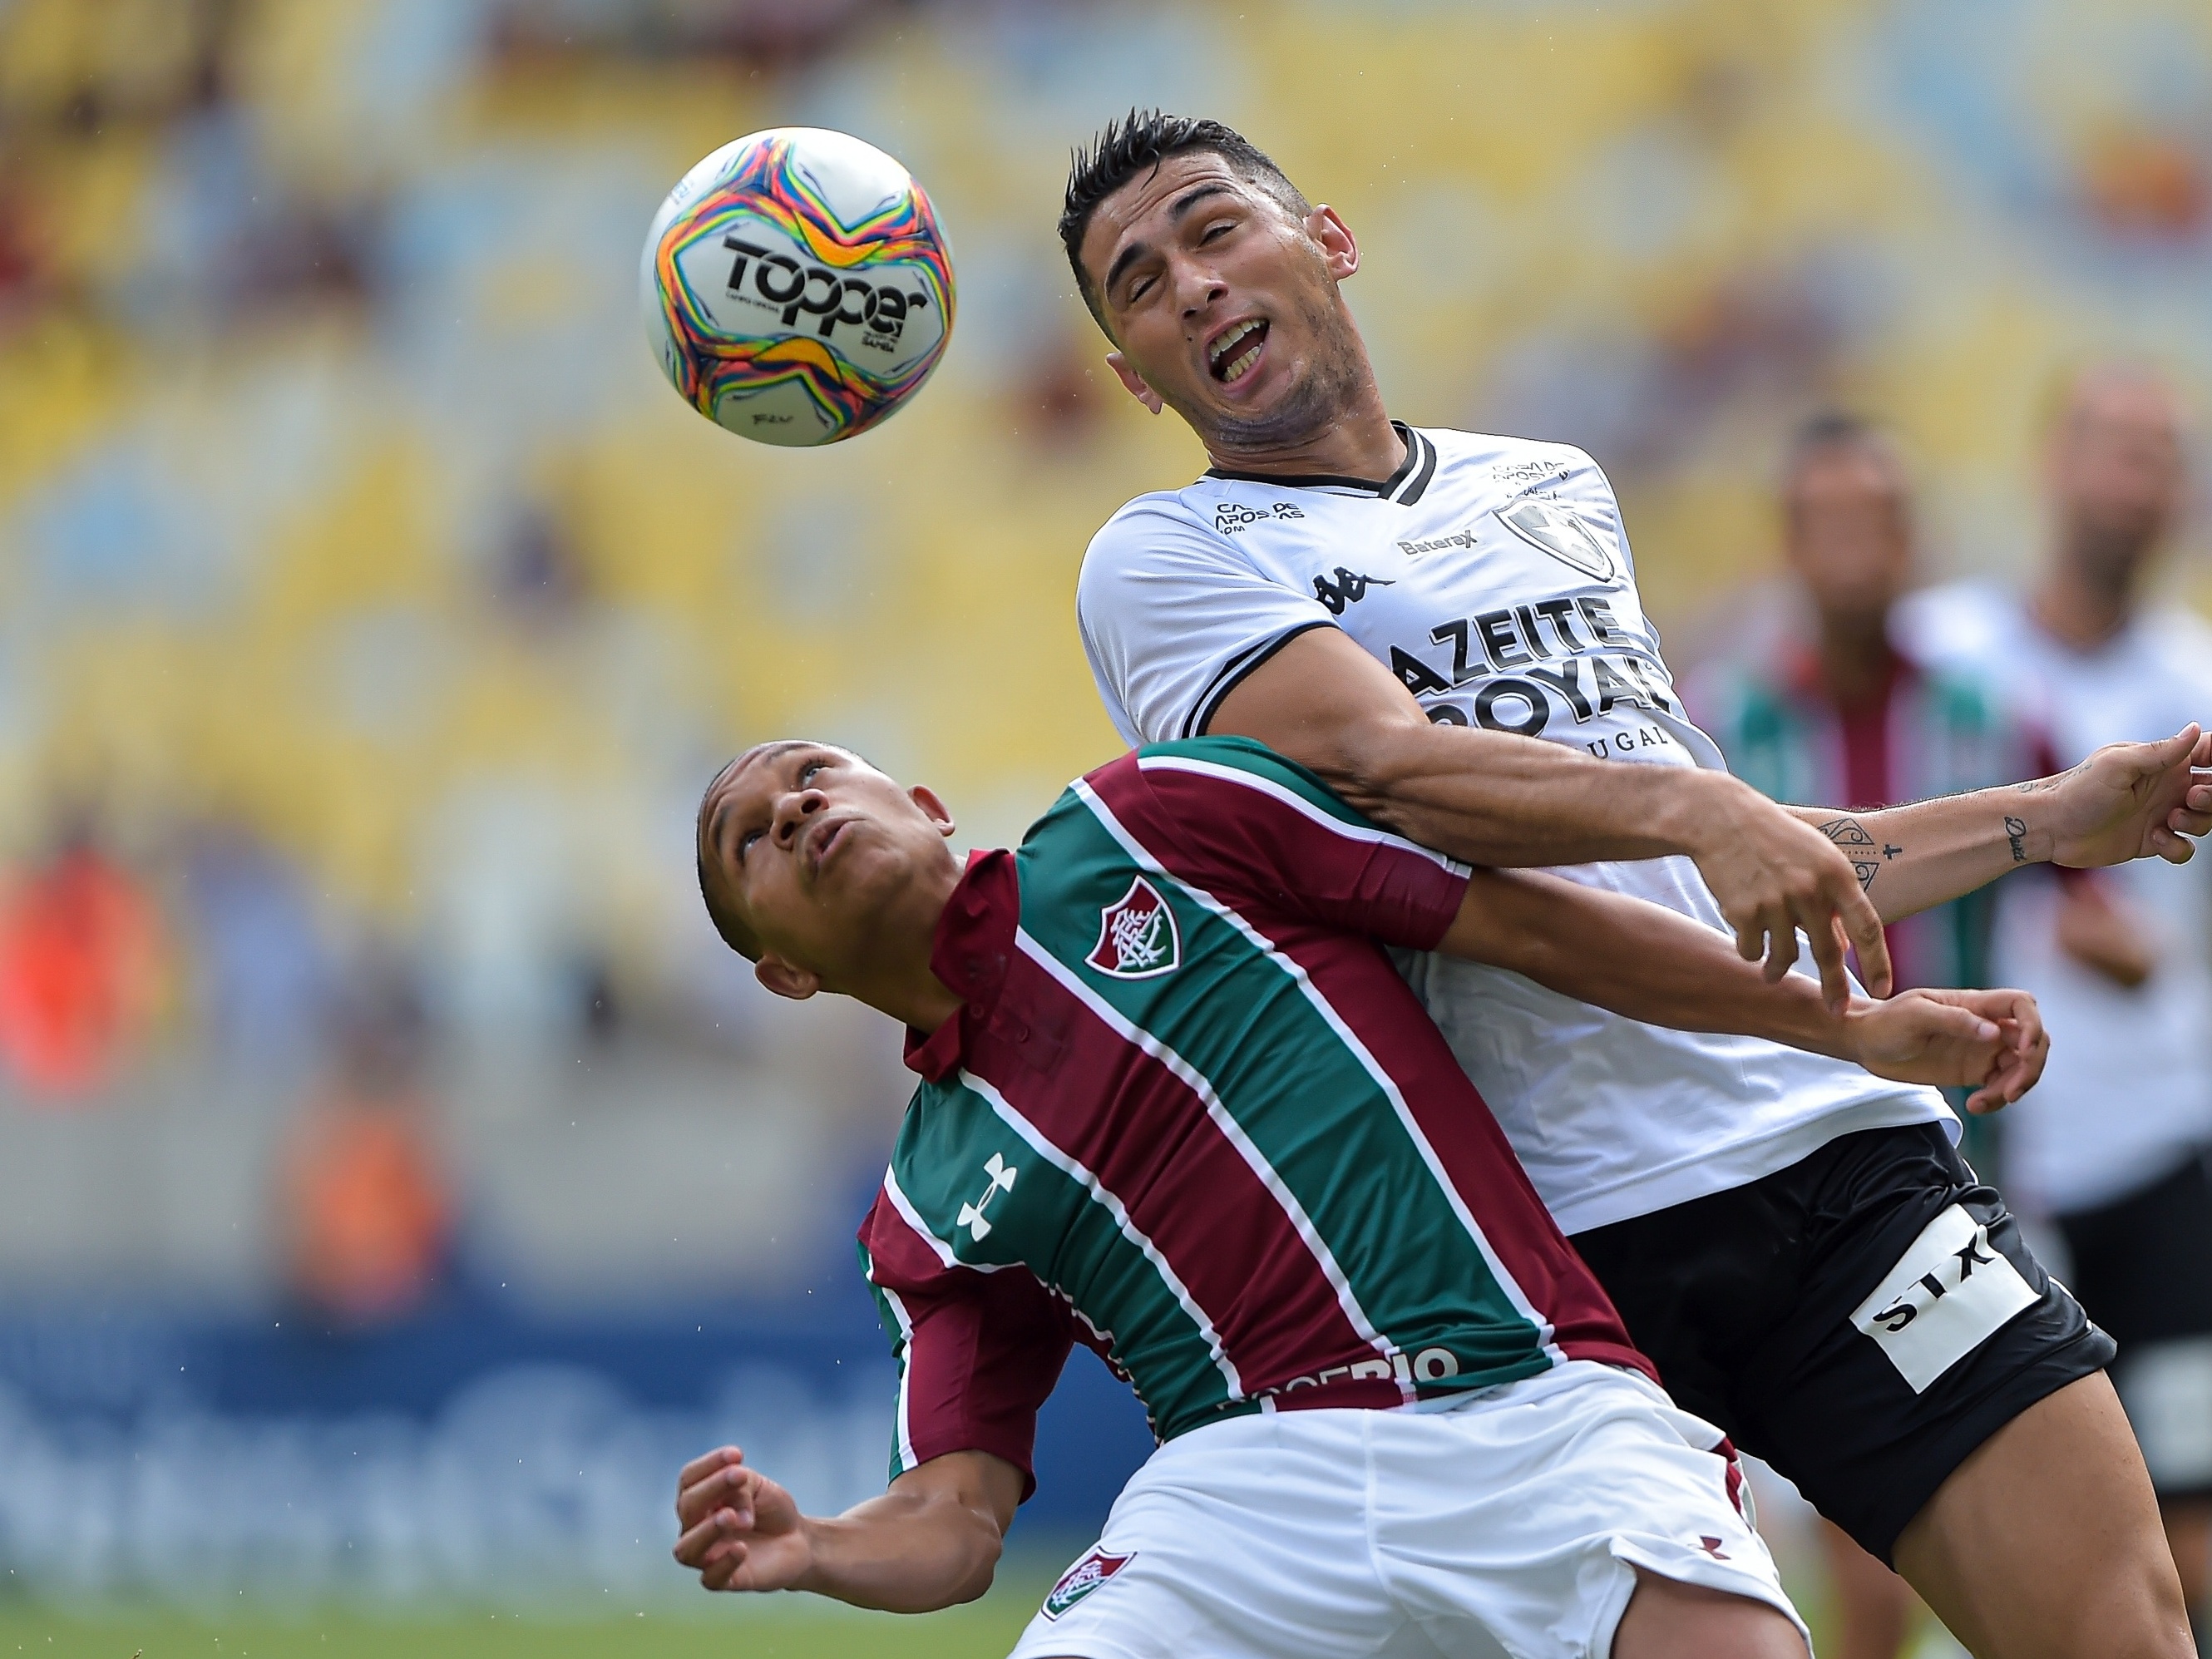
(796, 289)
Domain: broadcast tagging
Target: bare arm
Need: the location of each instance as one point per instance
(2128, 800)
(932, 1540)
(1494, 798)
(1645, 962)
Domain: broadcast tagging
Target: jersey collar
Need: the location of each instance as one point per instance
(973, 949)
(1405, 486)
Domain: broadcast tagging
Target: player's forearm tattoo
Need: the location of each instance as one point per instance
(1867, 855)
(2016, 837)
(2045, 786)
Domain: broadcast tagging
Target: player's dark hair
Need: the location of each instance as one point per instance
(1830, 431)
(1138, 143)
(1831, 428)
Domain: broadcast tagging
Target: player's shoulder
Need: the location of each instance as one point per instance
(2182, 638)
(1514, 464)
(1169, 526)
(1457, 444)
(1955, 624)
(1238, 763)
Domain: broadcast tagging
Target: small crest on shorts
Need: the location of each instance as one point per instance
(1084, 1577)
(1137, 936)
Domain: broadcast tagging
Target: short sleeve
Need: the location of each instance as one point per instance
(1247, 822)
(978, 1353)
(1173, 617)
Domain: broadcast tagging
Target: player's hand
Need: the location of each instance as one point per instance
(1772, 874)
(2129, 800)
(1991, 1041)
(740, 1530)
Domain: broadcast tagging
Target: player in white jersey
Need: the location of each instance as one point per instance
(2114, 1147)
(1446, 626)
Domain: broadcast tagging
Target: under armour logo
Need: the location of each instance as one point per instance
(1712, 1547)
(1002, 1181)
(1349, 589)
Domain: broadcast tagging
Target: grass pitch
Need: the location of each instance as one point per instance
(778, 1627)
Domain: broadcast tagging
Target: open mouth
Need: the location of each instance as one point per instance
(1230, 358)
(825, 842)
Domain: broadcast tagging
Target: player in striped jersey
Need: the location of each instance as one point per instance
(1178, 1106)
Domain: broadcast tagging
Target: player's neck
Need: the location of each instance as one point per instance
(1855, 661)
(1356, 440)
(2079, 611)
(895, 975)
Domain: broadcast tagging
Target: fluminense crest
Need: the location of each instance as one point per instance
(1137, 936)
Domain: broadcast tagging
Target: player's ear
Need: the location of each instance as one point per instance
(1339, 249)
(931, 808)
(1134, 381)
(786, 980)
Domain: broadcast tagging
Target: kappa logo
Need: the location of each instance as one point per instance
(1081, 1579)
(1232, 517)
(1561, 533)
(1348, 589)
(971, 1217)
(1137, 936)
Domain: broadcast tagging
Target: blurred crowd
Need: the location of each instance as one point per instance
(372, 614)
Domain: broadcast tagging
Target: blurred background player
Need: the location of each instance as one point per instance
(2112, 1146)
(1829, 708)
(1832, 710)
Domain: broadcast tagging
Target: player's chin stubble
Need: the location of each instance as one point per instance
(1313, 403)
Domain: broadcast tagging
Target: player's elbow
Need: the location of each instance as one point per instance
(974, 1547)
(1368, 761)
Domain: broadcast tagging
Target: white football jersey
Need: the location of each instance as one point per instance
(1491, 575)
(2125, 1099)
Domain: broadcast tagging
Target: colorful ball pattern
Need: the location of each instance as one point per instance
(796, 286)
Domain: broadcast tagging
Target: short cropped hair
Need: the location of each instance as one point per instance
(1833, 430)
(1139, 142)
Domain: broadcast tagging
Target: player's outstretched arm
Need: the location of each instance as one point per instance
(1494, 798)
(1645, 960)
(932, 1540)
(2129, 800)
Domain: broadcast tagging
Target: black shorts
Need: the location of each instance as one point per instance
(2142, 1266)
(1861, 1319)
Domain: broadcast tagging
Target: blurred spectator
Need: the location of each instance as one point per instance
(259, 975)
(1835, 713)
(365, 1199)
(80, 959)
(2113, 1143)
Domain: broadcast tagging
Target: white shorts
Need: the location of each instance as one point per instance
(1511, 1523)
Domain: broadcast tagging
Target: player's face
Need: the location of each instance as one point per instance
(1225, 306)
(2116, 472)
(820, 854)
(1849, 533)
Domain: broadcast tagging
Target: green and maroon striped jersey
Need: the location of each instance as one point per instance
(1190, 1116)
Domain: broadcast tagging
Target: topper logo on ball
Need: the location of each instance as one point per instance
(882, 309)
